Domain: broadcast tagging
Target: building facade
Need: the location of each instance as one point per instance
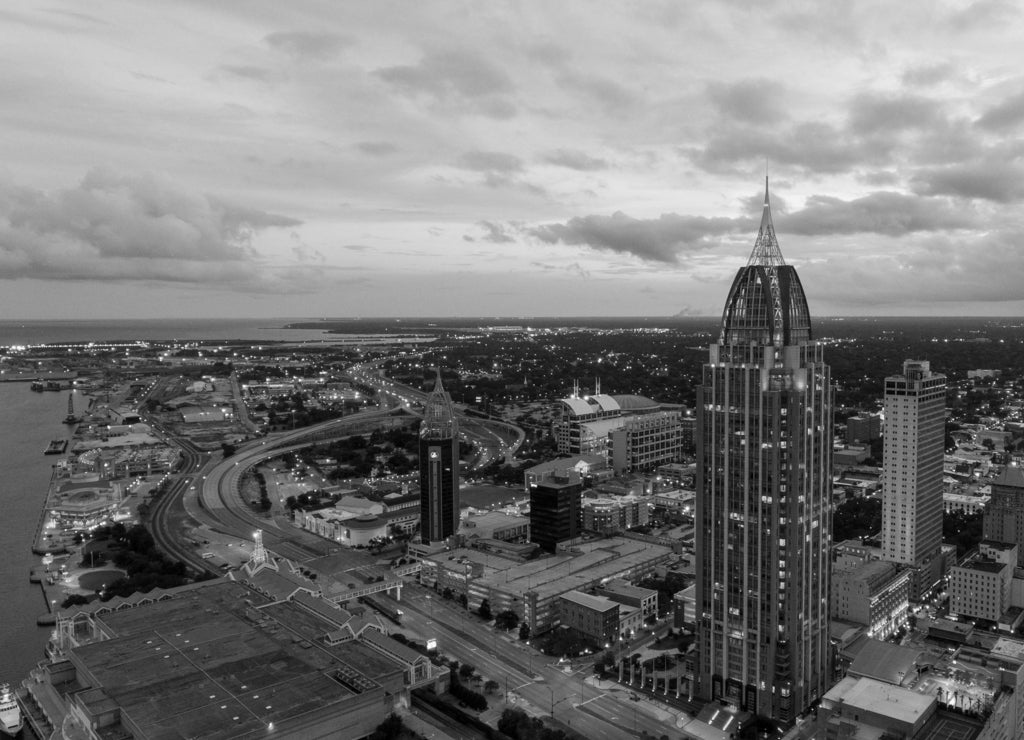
(764, 510)
(1004, 515)
(611, 514)
(439, 467)
(555, 511)
(915, 429)
(874, 594)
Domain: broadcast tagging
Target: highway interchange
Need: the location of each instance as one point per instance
(206, 490)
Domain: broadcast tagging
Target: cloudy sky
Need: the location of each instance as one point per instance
(345, 158)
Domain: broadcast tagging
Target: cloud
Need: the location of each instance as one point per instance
(249, 72)
(574, 159)
(892, 214)
(307, 45)
(498, 233)
(607, 92)
(1000, 181)
(926, 75)
(663, 239)
(455, 78)
(672, 237)
(1008, 114)
(926, 271)
(377, 148)
(814, 146)
(750, 101)
(480, 161)
(871, 114)
(116, 227)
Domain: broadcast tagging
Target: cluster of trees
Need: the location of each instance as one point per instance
(146, 568)
(357, 455)
(861, 517)
(518, 725)
(563, 643)
(963, 530)
(856, 518)
(261, 481)
(506, 620)
(472, 699)
(394, 729)
(666, 587)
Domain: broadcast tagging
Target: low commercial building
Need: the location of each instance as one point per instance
(144, 461)
(963, 503)
(864, 707)
(586, 467)
(609, 515)
(494, 525)
(342, 527)
(531, 589)
(980, 587)
(624, 592)
(219, 659)
(874, 594)
(863, 428)
(676, 501)
(592, 618)
(81, 506)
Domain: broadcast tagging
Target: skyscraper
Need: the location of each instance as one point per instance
(439, 467)
(764, 512)
(915, 432)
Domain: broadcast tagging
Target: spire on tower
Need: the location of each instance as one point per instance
(438, 413)
(766, 250)
(259, 553)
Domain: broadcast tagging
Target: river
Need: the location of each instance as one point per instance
(29, 420)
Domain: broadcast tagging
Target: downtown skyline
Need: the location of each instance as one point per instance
(328, 159)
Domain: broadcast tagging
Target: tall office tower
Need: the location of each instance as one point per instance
(764, 512)
(915, 432)
(556, 511)
(1004, 515)
(439, 467)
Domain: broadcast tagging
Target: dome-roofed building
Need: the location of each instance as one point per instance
(632, 432)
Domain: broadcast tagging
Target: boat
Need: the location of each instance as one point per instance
(71, 418)
(56, 447)
(38, 385)
(10, 713)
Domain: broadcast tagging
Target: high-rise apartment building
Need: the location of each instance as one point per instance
(915, 431)
(439, 467)
(764, 512)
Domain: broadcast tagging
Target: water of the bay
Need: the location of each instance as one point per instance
(27, 422)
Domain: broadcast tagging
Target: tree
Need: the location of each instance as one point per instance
(466, 670)
(74, 600)
(524, 631)
(485, 610)
(490, 686)
(506, 620)
(857, 517)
